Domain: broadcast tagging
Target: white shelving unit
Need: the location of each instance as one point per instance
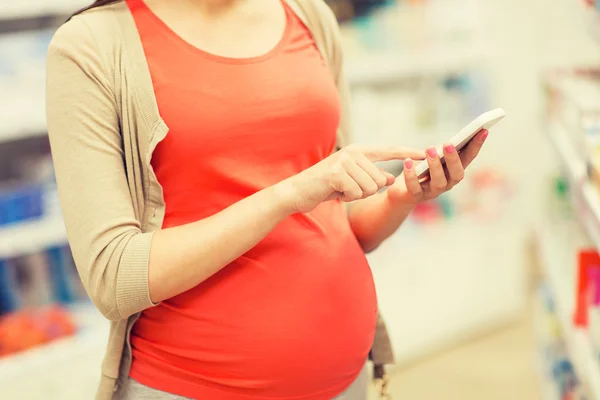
(39, 8)
(560, 272)
(586, 197)
(559, 265)
(579, 345)
(31, 236)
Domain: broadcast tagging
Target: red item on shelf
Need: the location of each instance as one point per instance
(587, 259)
(25, 329)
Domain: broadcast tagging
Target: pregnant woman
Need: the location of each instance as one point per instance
(202, 159)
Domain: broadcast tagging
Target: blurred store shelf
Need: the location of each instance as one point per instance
(31, 236)
(373, 69)
(19, 16)
(560, 277)
(92, 336)
(14, 9)
(586, 199)
(23, 128)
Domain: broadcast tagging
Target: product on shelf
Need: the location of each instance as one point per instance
(556, 363)
(8, 300)
(66, 284)
(586, 261)
(25, 329)
(29, 191)
(560, 206)
(39, 279)
(594, 307)
(20, 203)
(36, 291)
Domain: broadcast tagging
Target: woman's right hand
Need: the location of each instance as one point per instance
(349, 174)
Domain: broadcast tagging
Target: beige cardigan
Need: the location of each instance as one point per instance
(104, 124)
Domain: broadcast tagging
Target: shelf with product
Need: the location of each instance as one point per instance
(42, 301)
(573, 125)
(49, 330)
(90, 334)
(571, 233)
(64, 368)
(557, 245)
(416, 74)
(47, 322)
(38, 287)
(585, 194)
(559, 380)
(407, 39)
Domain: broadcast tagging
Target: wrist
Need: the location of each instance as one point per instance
(281, 197)
(399, 202)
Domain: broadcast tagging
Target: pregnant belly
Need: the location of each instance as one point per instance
(263, 328)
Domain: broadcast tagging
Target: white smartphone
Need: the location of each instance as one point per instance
(484, 121)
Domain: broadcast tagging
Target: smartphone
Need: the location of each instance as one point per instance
(485, 121)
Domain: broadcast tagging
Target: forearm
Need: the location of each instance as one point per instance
(182, 257)
(375, 218)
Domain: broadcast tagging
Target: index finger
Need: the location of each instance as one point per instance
(393, 153)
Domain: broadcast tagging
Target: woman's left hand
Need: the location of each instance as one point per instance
(411, 191)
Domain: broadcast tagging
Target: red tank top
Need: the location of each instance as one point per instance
(293, 318)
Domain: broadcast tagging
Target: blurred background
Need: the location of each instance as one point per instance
(490, 292)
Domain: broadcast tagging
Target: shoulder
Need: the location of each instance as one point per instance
(84, 34)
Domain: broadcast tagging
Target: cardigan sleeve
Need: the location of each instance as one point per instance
(110, 251)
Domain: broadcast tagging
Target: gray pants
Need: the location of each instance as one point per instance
(133, 390)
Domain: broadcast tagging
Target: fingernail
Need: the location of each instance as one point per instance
(408, 163)
(449, 148)
(431, 152)
(484, 136)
